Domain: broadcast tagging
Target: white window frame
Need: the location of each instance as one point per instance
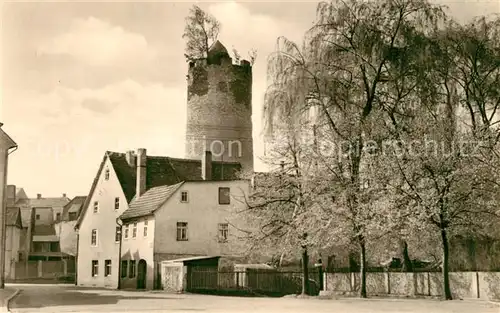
(125, 233)
(95, 268)
(145, 229)
(107, 265)
(95, 208)
(181, 227)
(117, 203)
(134, 230)
(92, 238)
(184, 192)
(223, 232)
(118, 233)
(106, 174)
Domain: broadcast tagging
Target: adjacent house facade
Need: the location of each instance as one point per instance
(35, 212)
(191, 218)
(120, 177)
(65, 229)
(13, 230)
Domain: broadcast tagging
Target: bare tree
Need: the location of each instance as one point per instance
(200, 32)
(278, 208)
(444, 179)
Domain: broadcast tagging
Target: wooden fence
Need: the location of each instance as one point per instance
(256, 281)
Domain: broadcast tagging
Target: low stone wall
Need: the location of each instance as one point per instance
(478, 285)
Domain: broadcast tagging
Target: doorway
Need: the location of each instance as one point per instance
(141, 274)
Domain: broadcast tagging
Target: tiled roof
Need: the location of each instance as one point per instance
(43, 202)
(167, 171)
(160, 171)
(13, 217)
(149, 201)
(75, 205)
(44, 230)
(47, 238)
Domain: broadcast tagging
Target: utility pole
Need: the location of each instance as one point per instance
(6, 144)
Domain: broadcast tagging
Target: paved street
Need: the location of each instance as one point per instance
(43, 298)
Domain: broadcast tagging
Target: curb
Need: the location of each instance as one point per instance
(7, 301)
(495, 303)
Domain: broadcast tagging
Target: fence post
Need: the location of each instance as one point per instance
(477, 285)
(40, 268)
(387, 281)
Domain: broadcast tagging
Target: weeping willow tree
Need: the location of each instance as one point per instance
(341, 70)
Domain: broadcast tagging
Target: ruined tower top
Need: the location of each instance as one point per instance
(219, 108)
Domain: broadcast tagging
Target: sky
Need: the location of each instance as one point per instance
(80, 78)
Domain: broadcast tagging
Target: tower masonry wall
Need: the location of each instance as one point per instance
(219, 111)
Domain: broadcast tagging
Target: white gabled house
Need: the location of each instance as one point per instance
(120, 178)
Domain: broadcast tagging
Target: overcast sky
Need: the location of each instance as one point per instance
(82, 78)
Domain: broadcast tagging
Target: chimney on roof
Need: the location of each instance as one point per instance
(39, 196)
(131, 158)
(64, 195)
(141, 172)
(11, 195)
(206, 166)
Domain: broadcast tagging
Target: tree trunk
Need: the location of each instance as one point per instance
(445, 269)
(305, 271)
(407, 265)
(362, 267)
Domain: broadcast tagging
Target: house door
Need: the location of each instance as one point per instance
(141, 274)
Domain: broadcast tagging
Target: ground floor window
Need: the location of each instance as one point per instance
(107, 268)
(95, 267)
(132, 269)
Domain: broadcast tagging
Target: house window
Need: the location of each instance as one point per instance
(58, 217)
(117, 203)
(93, 239)
(223, 232)
(124, 268)
(126, 231)
(72, 216)
(107, 268)
(145, 233)
(54, 247)
(37, 216)
(95, 268)
(134, 231)
(224, 195)
(106, 174)
(182, 231)
(184, 196)
(131, 273)
(96, 206)
(117, 233)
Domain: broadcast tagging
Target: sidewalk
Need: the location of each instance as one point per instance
(5, 296)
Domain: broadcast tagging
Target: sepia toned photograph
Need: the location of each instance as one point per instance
(250, 156)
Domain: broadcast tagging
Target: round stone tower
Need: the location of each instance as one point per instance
(219, 108)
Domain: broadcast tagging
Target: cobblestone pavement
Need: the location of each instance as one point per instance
(36, 298)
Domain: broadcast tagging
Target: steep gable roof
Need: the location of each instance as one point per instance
(75, 205)
(21, 194)
(160, 171)
(13, 217)
(150, 201)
